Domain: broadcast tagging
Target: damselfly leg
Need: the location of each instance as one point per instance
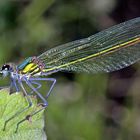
(20, 111)
(38, 86)
(14, 86)
(33, 81)
(45, 103)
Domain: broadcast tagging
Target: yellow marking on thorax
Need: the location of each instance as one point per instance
(37, 70)
(112, 49)
(30, 67)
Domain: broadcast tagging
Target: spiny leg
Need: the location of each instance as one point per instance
(38, 86)
(19, 112)
(53, 80)
(13, 85)
(29, 101)
(16, 86)
(29, 83)
(45, 103)
(28, 117)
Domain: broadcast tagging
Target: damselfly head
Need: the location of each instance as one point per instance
(5, 70)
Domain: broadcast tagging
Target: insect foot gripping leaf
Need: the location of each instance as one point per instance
(24, 126)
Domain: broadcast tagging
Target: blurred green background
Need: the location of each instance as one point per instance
(81, 106)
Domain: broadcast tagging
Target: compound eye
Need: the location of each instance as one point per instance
(6, 67)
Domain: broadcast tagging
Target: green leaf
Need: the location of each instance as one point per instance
(31, 129)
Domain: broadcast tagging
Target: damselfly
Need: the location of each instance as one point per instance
(109, 50)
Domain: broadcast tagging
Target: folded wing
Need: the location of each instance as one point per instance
(106, 51)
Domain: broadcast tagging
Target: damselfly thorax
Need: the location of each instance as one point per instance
(32, 66)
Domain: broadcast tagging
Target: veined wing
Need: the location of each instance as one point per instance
(106, 51)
